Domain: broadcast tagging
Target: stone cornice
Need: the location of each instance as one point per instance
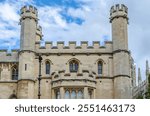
(85, 80)
(26, 80)
(22, 51)
(117, 76)
(10, 81)
(121, 50)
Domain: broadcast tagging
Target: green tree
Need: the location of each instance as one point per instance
(140, 96)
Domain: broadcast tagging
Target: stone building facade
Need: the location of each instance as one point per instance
(71, 72)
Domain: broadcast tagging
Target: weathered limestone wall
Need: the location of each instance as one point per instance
(25, 89)
(46, 89)
(86, 62)
(122, 88)
(7, 89)
(28, 59)
(104, 89)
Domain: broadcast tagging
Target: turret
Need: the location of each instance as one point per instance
(139, 76)
(121, 55)
(119, 20)
(30, 33)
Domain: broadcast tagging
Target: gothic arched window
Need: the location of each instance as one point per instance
(67, 94)
(73, 94)
(90, 92)
(47, 67)
(100, 67)
(74, 65)
(80, 95)
(14, 73)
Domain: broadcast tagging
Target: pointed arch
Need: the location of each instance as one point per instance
(73, 59)
(73, 66)
(47, 60)
(47, 67)
(96, 62)
(14, 72)
(100, 64)
(100, 67)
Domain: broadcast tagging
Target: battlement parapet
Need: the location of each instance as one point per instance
(84, 47)
(11, 56)
(118, 7)
(119, 10)
(27, 9)
(6, 51)
(28, 12)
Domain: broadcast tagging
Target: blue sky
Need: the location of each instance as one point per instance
(78, 20)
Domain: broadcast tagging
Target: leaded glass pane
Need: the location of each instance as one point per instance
(73, 95)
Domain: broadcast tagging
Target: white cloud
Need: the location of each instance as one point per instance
(55, 27)
(9, 19)
(51, 16)
(8, 13)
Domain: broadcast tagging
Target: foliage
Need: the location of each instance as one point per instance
(140, 96)
(147, 94)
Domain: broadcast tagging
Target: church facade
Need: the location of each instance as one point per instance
(68, 72)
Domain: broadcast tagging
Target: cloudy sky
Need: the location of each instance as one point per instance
(79, 20)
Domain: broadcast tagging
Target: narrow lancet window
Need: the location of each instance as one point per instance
(100, 67)
(47, 66)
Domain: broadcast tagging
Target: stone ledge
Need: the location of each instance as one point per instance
(117, 76)
(85, 80)
(26, 80)
(11, 81)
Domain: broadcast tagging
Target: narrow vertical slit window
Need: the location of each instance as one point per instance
(100, 68)
(25, 67)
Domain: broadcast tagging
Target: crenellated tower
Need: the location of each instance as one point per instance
(121, 55)
(30, 33)
(30, 30)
